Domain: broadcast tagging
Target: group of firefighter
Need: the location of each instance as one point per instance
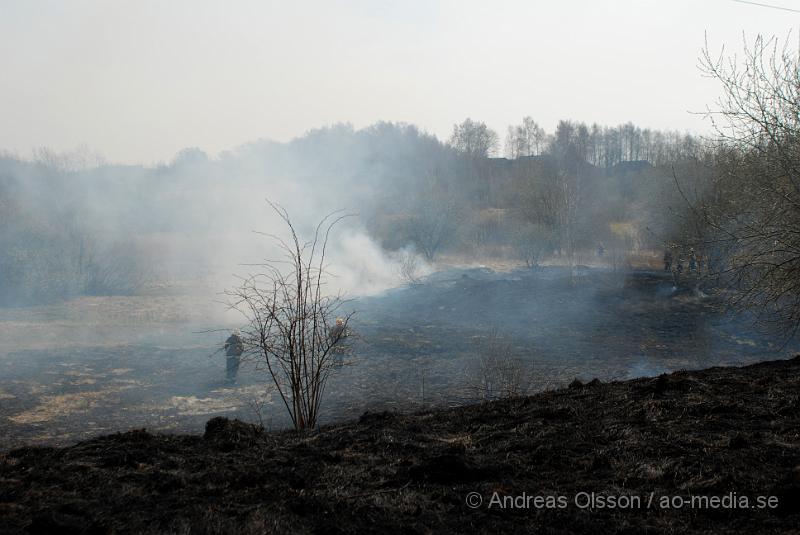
(679, 260)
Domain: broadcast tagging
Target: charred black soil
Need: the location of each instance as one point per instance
(721, 432)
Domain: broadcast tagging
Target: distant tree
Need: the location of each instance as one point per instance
(532, 242)
(582, 142)
(564, 146)
(536, 193)
(474, 139)
(79, 159)
(432, 225)
(526, 139)
(513, 149)
(190, 156)
(568, 201)
(595, 144)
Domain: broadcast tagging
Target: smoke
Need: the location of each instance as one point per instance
(74, 224)
(644, 367)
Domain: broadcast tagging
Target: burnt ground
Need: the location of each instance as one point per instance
(97, 366)
(701, 433)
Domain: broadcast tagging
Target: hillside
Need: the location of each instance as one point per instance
(706, 433)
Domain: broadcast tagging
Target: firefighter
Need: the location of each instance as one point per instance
(692, 260)
(336, 337)
(667, 259)
(234, 347)
(700, 261)
(338, 332)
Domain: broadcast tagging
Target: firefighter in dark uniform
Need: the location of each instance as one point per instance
(679, 261)
(234, 347)
(692, 260)
(336, 337)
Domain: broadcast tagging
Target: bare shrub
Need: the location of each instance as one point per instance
(497, 371)
(293, 326)
(532, 242)
(113, 270)
(410, 267)
(432, 225)
(753, 207)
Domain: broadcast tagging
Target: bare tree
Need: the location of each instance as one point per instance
(531, 242)
(434, 219)
(526, 139)
(292, 324)
(111, 269)
(474, 138)
(513, 148)
(430, 229)
(410, 270)
(568, 202)
(753, 208)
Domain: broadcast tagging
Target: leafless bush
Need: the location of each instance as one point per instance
(410, 268)
(532, 242)
(114, 270)
(497, 371)
(292, 323)
(752, 209)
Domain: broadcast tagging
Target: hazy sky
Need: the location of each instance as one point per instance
(139, 80)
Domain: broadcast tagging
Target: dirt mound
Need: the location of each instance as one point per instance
(228, 434)
(716, 451)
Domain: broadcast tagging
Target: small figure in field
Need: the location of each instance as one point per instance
(679, 266)
(601, 250)
(338, 332)
(667, 259)
(692, 260)
(336, 336)
(699, 263)
(234, 347)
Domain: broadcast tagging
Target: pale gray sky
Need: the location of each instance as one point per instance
(139, 80)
